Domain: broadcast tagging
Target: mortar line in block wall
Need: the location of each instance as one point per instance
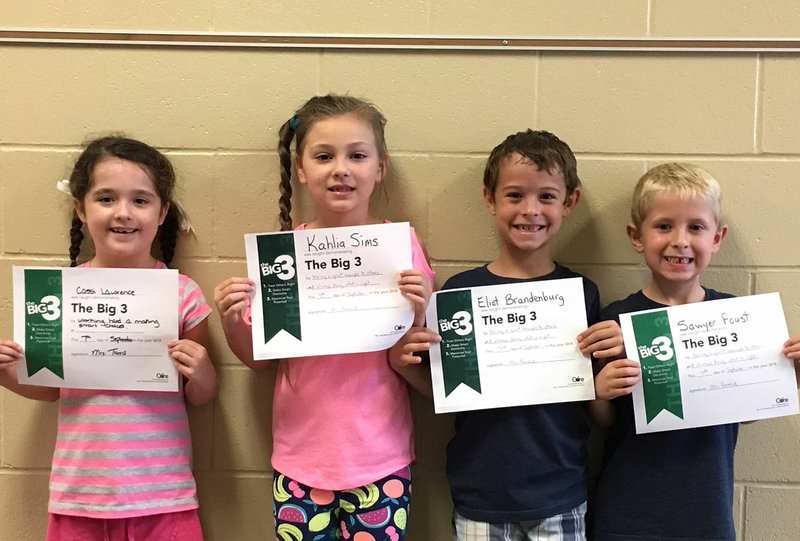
(393, 42)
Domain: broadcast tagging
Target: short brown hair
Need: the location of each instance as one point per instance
(541, 147)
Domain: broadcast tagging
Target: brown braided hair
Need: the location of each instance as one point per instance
(316, 109)
(159, 169)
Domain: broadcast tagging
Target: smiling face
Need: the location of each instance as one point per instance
(122, 212)
(340, 164)
(677, 237)
(528, 206)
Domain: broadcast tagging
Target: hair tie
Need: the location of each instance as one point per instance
(293, 123)
(184, 224)
(63, 186)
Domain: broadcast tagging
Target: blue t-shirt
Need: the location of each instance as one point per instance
(520, 463)
(665, 486)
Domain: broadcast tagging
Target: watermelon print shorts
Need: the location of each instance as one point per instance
(374, 512)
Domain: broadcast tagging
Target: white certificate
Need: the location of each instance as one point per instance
(85, 328)
(509, 345)
(327, 291)
(710, 363)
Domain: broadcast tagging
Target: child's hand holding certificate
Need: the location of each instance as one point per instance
(710, 363)
(509, 345)
(315, 285)
(96, 328)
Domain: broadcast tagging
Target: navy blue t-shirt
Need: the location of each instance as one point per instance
(665, 486)
(520, 463)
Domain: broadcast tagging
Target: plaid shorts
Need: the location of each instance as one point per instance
(569, 526)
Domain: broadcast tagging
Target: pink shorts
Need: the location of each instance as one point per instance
(180, 526)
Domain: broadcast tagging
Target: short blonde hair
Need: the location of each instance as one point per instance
(685, 180)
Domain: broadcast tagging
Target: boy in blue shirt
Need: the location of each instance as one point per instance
(675, 485)
(520, 472)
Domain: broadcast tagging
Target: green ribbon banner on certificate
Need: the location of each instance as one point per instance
(457, 328)
(660, 380)
(279, 292)
(43, 310)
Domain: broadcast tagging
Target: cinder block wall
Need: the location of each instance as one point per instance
(216, 112)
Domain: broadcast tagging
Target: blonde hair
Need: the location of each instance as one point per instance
(685, 180)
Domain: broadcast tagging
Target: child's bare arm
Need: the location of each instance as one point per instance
(10, 355)
(232, 298)
(416, 286)
(190, 355)
(616, 378)
(601, 412)
(404, 358)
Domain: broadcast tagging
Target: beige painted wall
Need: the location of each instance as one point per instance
(217, 111)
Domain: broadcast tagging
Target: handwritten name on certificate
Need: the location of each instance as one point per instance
(710, 363)
(326, 291)
(509, 345)
(85, 328)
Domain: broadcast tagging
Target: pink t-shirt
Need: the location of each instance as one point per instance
(343, 421)
(122, 454)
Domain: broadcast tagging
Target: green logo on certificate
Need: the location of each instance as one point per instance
(660, 379)
(281, 300)
(43, 309)
(459, 354)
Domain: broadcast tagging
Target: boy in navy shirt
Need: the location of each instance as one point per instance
(675, 485)
(520, 472)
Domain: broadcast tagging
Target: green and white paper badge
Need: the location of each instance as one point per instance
(710, 363)
(459, 353)
(328, 291)
(509, 345)
(85, 328)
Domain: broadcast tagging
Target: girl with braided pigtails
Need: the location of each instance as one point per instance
(122, 463)
(342, 431)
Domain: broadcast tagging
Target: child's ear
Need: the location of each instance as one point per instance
(572, 201)
(383, 168)
(489, 198)
(722, 232)
(301, 174)
(163, 214)
(635, 237)
(79, 210)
